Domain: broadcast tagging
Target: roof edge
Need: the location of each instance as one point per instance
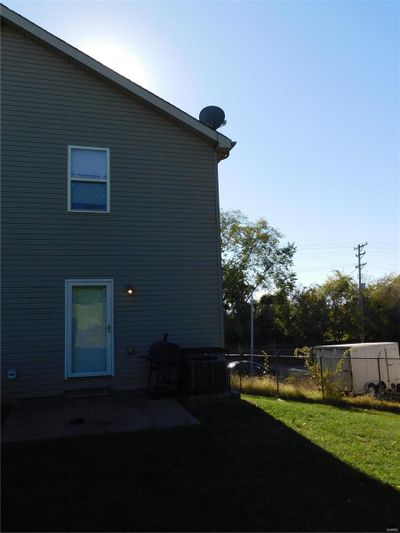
(355, 344)
(223, 143)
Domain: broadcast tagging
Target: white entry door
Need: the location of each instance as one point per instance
(89, 328)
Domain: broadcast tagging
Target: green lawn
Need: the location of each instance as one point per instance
(365, 439)
(280, 466)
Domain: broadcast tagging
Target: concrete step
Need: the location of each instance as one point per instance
(87, 393)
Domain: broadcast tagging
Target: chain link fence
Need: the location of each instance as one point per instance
(377, 376)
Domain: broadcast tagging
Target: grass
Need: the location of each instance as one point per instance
(304, 389)
(254, 465)
(364, 439)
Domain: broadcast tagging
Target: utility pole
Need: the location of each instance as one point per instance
(252, 332)
(360, 254)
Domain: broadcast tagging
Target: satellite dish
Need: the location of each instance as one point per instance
(212, 116)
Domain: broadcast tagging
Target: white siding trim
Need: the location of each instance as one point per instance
(69, 283)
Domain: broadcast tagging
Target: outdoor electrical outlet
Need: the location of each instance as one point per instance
(11, 374)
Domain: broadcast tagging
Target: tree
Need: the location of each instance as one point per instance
(382, 309)
(341, 296)
(253, 258)
(273, 318)
(310, 316)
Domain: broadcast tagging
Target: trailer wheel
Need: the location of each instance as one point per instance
(371, 389)
(381, 389)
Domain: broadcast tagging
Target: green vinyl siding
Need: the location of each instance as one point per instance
(161, 234)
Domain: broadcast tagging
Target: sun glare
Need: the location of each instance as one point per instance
(123, 61)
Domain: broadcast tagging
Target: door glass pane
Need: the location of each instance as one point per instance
(88, 163)
(89, 329)
(88, 196)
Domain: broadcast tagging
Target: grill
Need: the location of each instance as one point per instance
(165, 359)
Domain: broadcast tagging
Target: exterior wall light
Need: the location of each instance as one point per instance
(130, 291)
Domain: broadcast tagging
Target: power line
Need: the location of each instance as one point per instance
(323, 269)
(345, 245)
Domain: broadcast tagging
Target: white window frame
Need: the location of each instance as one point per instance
(86, 180)
(69, 284)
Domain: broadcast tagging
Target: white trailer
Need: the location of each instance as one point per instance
(372, 367)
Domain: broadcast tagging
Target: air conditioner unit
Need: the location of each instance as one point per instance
(207, 374)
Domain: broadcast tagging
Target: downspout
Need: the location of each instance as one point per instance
(217, 158)
(219, 260)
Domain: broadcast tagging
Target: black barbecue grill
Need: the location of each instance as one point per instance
(164, 360)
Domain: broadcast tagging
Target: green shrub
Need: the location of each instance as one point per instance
(328, 381)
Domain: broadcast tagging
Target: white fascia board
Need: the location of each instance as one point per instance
(221, 141)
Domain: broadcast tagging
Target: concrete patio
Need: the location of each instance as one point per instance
(53, 418)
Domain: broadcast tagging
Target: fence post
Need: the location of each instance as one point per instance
(229, 371)
(379, 369)
(277, 375)
(378, 394)
(240, 373)
(322, 377)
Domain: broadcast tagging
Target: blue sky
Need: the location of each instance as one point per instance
(311, 95)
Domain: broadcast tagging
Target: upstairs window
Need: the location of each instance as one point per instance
(88, 179)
